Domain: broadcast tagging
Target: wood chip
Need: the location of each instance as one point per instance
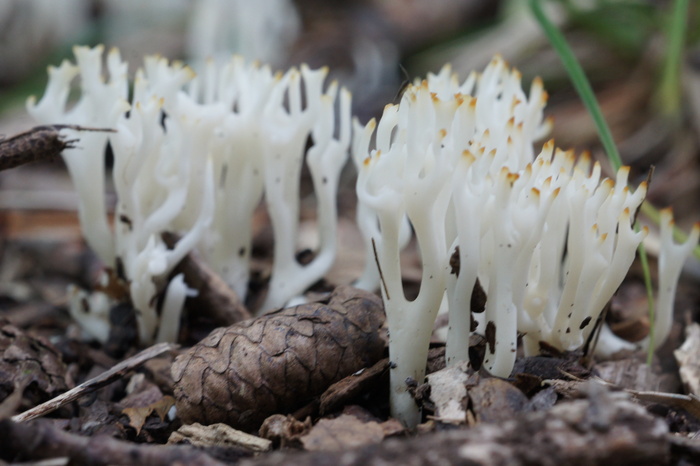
(39, 143)
(219, 435)
(448, 392)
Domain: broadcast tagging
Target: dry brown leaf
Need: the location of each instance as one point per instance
(162, 406)
(632, 374)
(138, 415)
(392, 427)
(24, 356)
(352, 386)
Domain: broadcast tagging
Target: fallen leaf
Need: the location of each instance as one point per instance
(630, 373)
(392, 427)
(352, 386)
(162, 406)
(25, 356)
(138, 415)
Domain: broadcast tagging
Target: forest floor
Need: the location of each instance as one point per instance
(622, 408)
(554, 409)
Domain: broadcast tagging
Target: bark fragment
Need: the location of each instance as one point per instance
(39, 143)
(345, 390)
(240, 375)
(214, 297)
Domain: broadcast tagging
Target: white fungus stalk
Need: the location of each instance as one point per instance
(101, 104)
(419, 147)
(151, 200)
(287, 130)
(398, 180)
(175, 295)
(546, 238)
(366, 217)
(466, 251)
(671, 258)
(501, 327)
(258, 149)
(243, 89)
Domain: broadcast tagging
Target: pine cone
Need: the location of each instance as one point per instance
(241, 374)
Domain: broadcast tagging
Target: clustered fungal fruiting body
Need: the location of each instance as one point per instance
(419, 145)
(195, 156)
(672, 256)
(547, 240)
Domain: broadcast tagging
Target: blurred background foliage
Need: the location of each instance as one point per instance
(373, 46)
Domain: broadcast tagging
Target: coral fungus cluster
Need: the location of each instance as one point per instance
(195, 155)
(544, 237)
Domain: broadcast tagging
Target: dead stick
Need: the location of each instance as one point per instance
(39, 143)
(93, 384)
(42, 441)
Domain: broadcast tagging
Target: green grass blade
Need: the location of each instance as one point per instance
(580, 82)
(669, 96)
(670, 87)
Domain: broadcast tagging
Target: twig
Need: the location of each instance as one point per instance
(214, 297)
(379, 267)
(39, 143)
(42, 440)
(93, 384)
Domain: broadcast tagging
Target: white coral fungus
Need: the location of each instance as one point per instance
(195, 155)
(547, 239)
